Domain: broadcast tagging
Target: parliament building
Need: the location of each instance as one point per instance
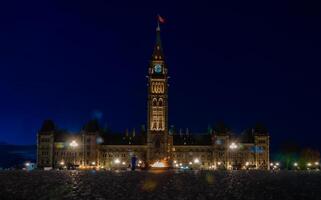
(156, 145)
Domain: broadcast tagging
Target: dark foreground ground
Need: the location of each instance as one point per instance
(160, 185)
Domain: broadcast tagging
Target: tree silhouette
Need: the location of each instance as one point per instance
(221, 127)
(289, 153)
(309, 155)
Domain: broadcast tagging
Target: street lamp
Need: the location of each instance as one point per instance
(233, 146)
(116, 161)
(73, 144)
(275, 165)
(196, 161)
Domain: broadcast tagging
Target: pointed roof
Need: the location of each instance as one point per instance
(158, 49)
(47, 126)
(92, 126)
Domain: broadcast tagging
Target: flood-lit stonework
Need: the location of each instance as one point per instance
(157, 144)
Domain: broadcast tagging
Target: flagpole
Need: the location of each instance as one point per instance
(158, 27)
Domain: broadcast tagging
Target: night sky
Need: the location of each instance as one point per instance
(241, 62)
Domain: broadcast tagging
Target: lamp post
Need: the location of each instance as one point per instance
(296, 165)
(247, 165)
(317, 165)
(197, 163)
(233, 146)
(73, 144)
(309, 165)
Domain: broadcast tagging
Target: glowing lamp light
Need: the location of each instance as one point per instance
(277, 164)
(190, 163)
(233, 145)
(62, 163)
(175, 161)
(219, 163)
(316, 163)
(27, 164)
(247, 164)
(116, 161)
(140, 162)
(176, 165)
(99, 140)
(309, 164)
(93, 163)
(295, 164)
(196, 161)
(123, 163)
(73, 144)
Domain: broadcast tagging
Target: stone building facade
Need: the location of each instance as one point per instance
(158, 145)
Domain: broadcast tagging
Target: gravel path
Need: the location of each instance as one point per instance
(196, 185)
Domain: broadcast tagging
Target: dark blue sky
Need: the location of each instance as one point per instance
(241, 62)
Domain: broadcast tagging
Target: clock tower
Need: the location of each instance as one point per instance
(159, 143)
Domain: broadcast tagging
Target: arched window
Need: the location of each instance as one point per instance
(154, 102)
(154, 126)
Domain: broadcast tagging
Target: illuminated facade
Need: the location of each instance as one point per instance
(158, 144)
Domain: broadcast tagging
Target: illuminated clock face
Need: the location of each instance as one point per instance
(158, 68)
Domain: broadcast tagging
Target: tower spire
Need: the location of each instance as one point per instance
(157, 104)
(158, 26)
(158, 50)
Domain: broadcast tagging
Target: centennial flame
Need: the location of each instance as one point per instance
(159, 164)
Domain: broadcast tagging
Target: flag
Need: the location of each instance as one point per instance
(161, 19)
